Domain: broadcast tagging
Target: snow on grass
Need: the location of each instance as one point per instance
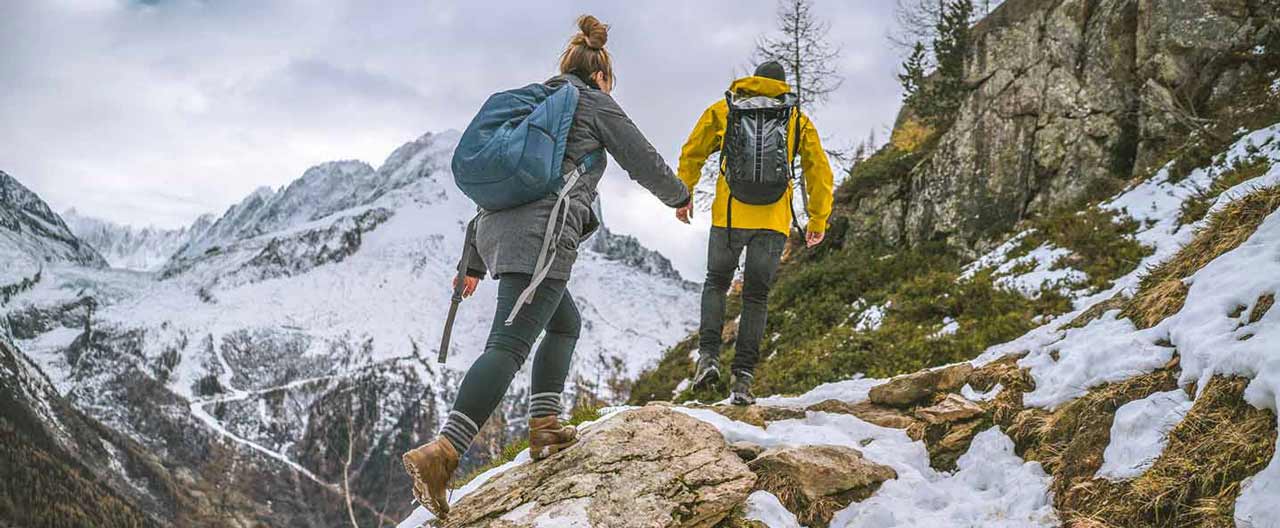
(1140, 432)
(992, 488)
(1209, 341)
(872, 318)
(765, 507)
(1043, 261)
(1107, 350)
(994, 257)
(949, 327)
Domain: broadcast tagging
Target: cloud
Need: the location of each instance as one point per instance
(153, 112)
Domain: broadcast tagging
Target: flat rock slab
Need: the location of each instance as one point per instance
(868, 412)
(815, 481)
(953, 408)
(648, 467)
(910, 389)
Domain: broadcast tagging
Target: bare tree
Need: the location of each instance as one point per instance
(803, 49)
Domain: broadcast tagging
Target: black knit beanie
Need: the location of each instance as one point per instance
(772, 70)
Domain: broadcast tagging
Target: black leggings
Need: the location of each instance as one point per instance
(552, 310)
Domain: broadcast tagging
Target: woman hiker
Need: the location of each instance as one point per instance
(507, 244)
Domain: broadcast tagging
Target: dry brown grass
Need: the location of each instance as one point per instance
(1161, 292)
(1116, 302)
(1195, 482)
(1260, 308)
(1073, 437)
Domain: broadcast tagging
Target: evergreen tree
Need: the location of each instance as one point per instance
(913, 71)
(937, 96)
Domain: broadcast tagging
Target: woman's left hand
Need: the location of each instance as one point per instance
(469, 284)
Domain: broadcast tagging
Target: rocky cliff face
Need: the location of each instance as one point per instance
(1070, 99)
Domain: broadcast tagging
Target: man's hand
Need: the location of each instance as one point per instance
(469, 284)
(683, 214)
(812, 239)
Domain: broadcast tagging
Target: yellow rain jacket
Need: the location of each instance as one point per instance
(706, 138)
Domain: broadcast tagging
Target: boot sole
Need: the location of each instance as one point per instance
(440, 511)
(742, 402)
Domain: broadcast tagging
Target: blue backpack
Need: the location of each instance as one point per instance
(513, 151)
(512, 154)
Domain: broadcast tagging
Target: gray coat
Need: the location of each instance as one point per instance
(508, 241)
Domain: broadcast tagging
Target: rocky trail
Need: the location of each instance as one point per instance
(806, 460)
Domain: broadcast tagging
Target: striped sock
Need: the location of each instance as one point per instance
(545, 404)
(460, 431)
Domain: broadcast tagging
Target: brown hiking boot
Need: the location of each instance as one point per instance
(548, 437)
(431, 466)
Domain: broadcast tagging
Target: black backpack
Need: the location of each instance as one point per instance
(754, 157)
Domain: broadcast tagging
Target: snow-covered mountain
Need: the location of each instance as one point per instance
(32, 235)
(132, 248)
(307, 318)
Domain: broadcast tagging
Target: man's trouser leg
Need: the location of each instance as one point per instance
(723, 250)
(764, 254)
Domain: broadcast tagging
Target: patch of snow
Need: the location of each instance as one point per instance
(1140, 432)
(852, 390)
(765, 507)
(991, 488)
(1045, 272)
(972, 394)
(1109, 349)
(994, 257)
(949, 327)
(872, 318)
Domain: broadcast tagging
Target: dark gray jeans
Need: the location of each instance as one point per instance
(764, 253)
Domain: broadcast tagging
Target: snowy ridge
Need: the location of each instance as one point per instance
(131, 248)
(323, 190)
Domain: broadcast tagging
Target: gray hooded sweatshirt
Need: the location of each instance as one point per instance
(508, 241)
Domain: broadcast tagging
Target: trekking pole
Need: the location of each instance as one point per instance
(459, 285)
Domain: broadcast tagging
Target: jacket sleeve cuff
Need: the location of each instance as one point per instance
(687, 198)
(816, 226)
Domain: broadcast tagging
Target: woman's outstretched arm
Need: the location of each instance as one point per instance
(636, 155)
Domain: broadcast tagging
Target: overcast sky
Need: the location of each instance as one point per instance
(152, 113)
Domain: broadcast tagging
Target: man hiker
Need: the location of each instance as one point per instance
(759, 130)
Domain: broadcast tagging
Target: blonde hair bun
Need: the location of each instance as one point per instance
(594, 33)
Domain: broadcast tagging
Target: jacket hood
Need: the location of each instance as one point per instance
(760, 86)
